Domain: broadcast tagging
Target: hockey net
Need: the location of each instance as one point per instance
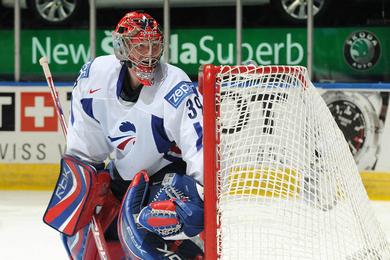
(280, 181)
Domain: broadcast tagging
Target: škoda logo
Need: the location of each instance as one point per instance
(362, 50)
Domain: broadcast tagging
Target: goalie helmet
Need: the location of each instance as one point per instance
(138, 42)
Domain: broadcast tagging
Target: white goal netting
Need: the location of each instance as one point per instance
(288, 185)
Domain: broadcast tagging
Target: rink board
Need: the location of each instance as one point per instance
(28, 176)
(44, 176)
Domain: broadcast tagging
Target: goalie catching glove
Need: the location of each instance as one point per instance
(172, 213)
(176, 210)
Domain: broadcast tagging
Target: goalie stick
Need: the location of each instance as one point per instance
(57, 104)
(96, 227)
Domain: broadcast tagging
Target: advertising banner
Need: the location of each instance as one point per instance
(30, 131)
(362, 113)
(340, 54)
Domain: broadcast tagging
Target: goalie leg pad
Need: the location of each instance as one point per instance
(79, 189)
(82, 245)
(76, 245)
(130, 233)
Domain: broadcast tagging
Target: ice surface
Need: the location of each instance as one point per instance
(23, 235)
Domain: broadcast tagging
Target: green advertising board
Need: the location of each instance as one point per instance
(340, 54)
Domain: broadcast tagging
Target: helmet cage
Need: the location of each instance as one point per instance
(139, 41)
(146, 53)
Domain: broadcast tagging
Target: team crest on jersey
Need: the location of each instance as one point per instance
(126, 136)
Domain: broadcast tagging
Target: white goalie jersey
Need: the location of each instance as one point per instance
(163, 126)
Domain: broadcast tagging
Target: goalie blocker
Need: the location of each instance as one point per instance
(79, 189)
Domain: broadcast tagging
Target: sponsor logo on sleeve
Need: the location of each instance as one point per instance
(84, 71)
(179, 93)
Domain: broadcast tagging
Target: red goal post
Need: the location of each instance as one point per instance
(207, 78)
(279, 179)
